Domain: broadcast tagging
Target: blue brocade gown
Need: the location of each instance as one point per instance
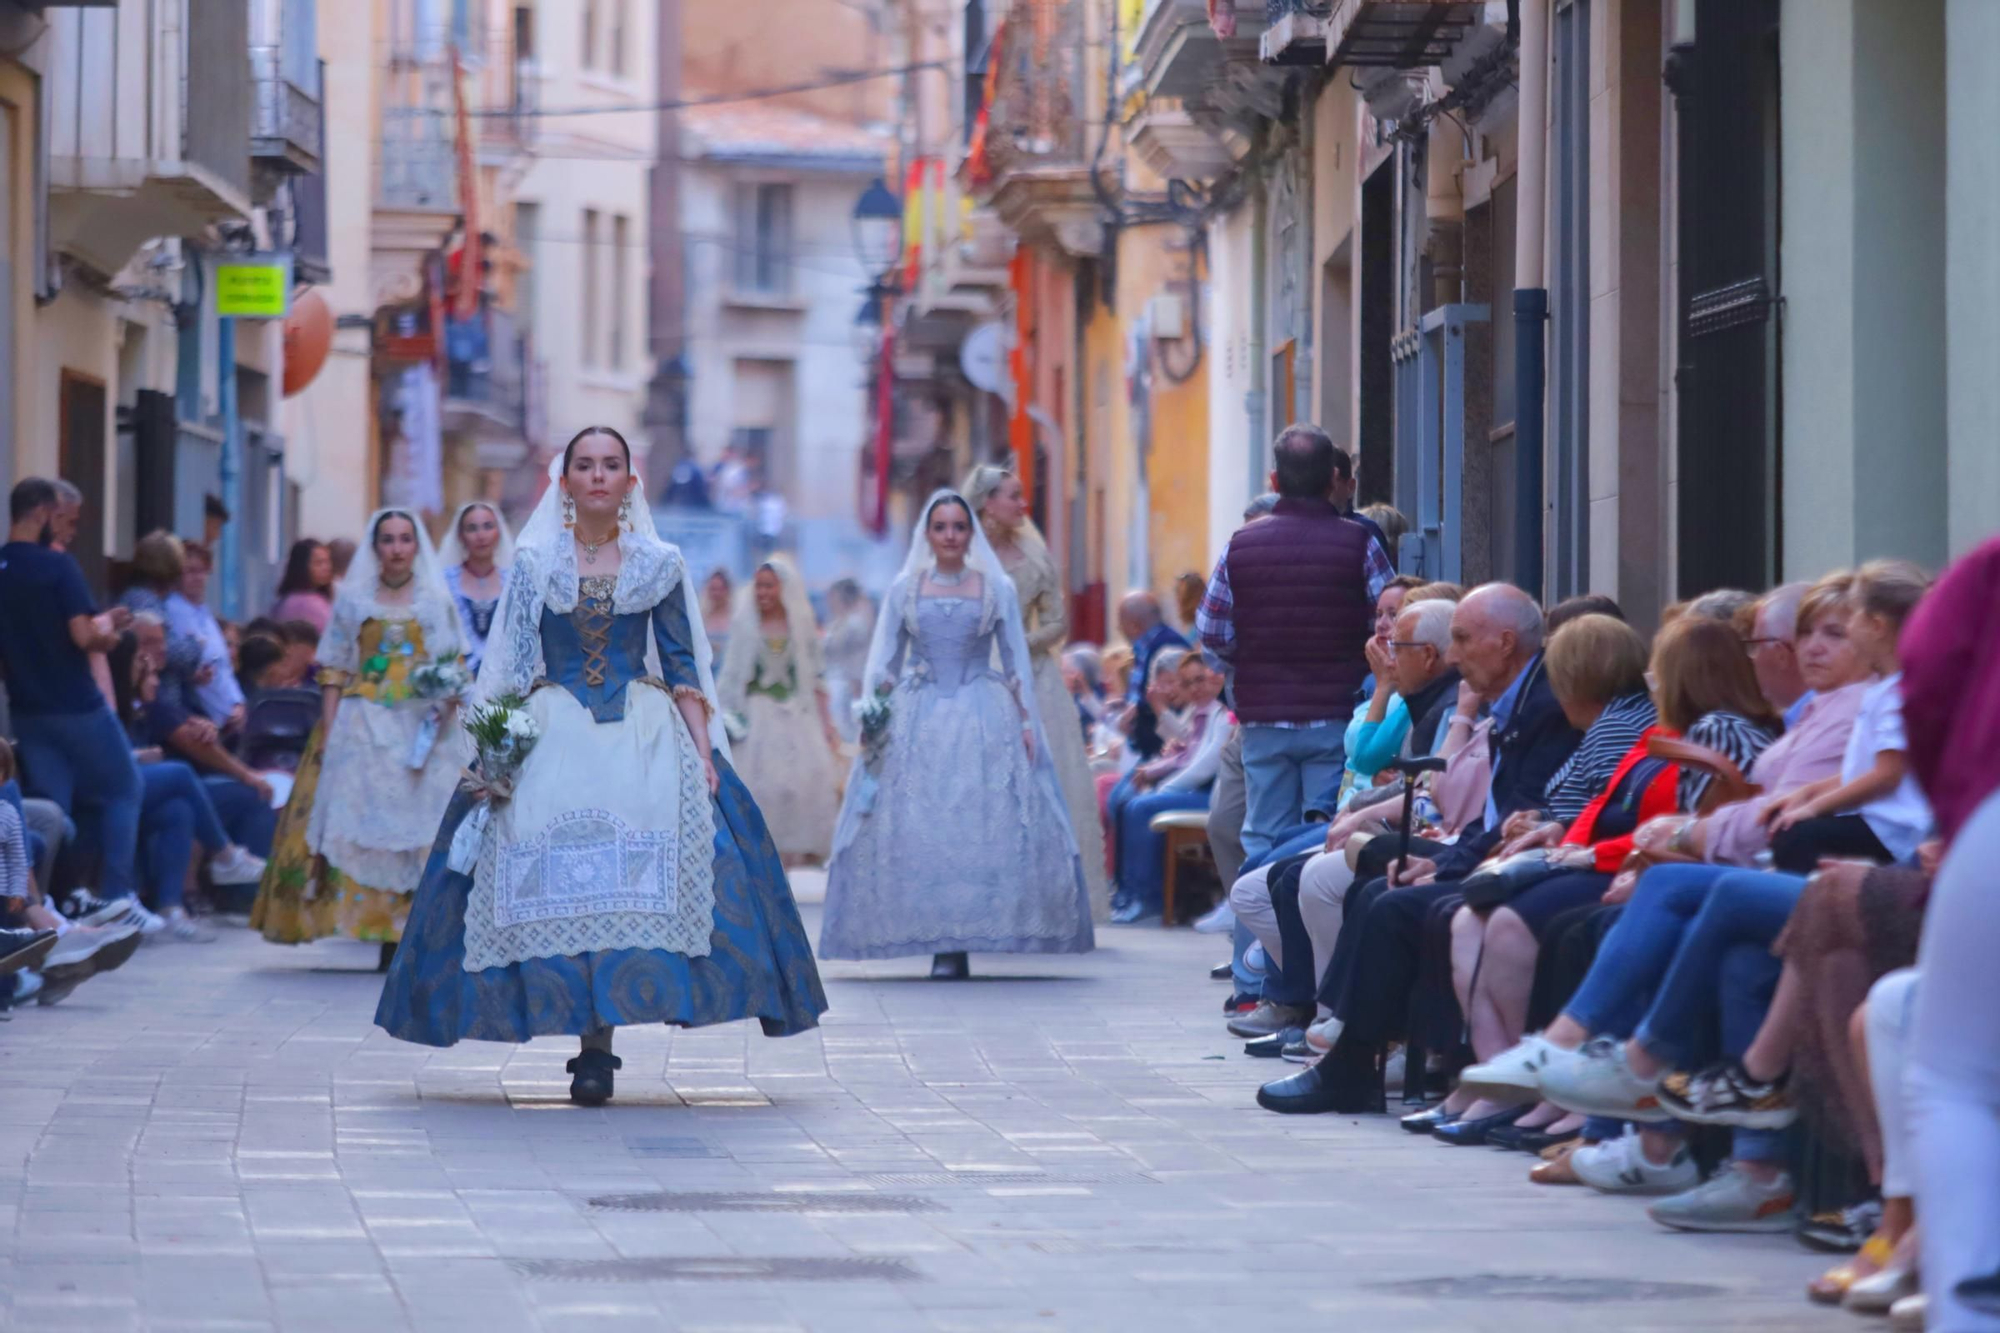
(601, 709)
(964, 842)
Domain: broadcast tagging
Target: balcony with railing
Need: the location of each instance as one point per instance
(1030, 157)
(170, 154)
(284, 60)
(1190, 119)
(486, 379)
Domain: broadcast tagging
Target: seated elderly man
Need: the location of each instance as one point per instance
(1496, 643)
(1178, 780)
(1297, 901)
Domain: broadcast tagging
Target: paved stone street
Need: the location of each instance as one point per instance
(216, 1138)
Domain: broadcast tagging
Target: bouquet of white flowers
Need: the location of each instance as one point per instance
(442, 682)
(873, 714)
(503, 733)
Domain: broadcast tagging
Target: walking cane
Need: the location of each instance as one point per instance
(1411, 769)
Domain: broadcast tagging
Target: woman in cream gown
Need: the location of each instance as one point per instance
(772, 680)
(1003, 513)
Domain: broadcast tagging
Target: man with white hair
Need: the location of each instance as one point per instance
(1496, 644)
(1773, 650)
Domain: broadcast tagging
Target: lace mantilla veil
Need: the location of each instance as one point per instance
(1000, 611)
(452, 551)
(361, 593)
(545, 577)
(746, 633)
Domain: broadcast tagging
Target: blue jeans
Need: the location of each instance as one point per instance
(1283, 769)
(1249, 981)
(86, 758)
(1639, 949)
(1707, 982)
(1291, 842)
(247, 817)
(175, 813)
(1142, 852)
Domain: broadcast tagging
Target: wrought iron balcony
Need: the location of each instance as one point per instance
(1030, 154)
(284, 60)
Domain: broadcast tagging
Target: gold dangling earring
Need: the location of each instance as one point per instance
(569, 510)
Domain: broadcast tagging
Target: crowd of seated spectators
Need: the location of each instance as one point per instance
(1661, 911)
(145, 744)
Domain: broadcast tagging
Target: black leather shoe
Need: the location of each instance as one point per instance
(1534, 1140)
(24, 948)
(1423, 1122)
(387, 956)
(1349, 1084)
(1464, 1133)
(950, 967)
(1221, 972)
(1273, 1046)
(590, 1084)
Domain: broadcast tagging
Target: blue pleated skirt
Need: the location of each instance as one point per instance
(760, 965)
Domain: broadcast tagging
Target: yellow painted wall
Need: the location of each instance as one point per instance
(17, 89)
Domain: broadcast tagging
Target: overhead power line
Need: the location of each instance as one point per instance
(834, 80)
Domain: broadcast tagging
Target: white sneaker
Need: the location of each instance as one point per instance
(1220, 921)
(235, 865)
(182, 927)
(1516, 1069)
(1732, 1200)
(26, 986)
(1394, 1069)
(150, 923)
(1908, 1314)
(1597, 1080)
(1324, 1033)
(80, 943)
(85, 908)
(1619, 1166)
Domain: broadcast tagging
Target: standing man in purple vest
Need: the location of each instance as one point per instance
(1289, 611)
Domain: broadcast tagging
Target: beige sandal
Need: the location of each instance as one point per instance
(1554, 1168)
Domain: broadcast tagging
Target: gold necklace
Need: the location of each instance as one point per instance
(590, 549)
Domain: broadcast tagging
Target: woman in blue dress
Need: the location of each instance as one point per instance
(476, 555)
(628, 878)
(954, 837)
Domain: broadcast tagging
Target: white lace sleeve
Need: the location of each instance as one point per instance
(340, 646)
(513, 661)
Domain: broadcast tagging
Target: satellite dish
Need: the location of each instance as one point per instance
(982, 357)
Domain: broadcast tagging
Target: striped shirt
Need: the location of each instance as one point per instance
(1589, 768)
(1725, 733)
(14, 863)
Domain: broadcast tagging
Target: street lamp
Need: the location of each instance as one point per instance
(868, 326)
(878, 229)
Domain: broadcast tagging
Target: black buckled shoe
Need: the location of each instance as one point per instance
(1423, 1122)
(590, 1082)
(950, 967)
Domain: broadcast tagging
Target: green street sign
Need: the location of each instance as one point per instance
(258, 287)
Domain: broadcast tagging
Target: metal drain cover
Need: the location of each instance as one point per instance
(800, 1201)
(717, 1268)
(1545, 1287)
(672, 1147)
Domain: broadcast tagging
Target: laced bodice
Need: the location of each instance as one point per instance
(592, 651)
(952, 648)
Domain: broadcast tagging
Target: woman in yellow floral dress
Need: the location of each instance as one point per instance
(383, 763)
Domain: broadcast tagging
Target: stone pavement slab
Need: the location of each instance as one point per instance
(217, 1138)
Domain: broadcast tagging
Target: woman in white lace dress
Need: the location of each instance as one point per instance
(1003, 511)
(954, 837)
(382, 767)
(772, 680)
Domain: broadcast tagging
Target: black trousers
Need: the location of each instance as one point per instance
(1386, 958)
(1568, 949)
(1799, 848)
(1368, 886)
